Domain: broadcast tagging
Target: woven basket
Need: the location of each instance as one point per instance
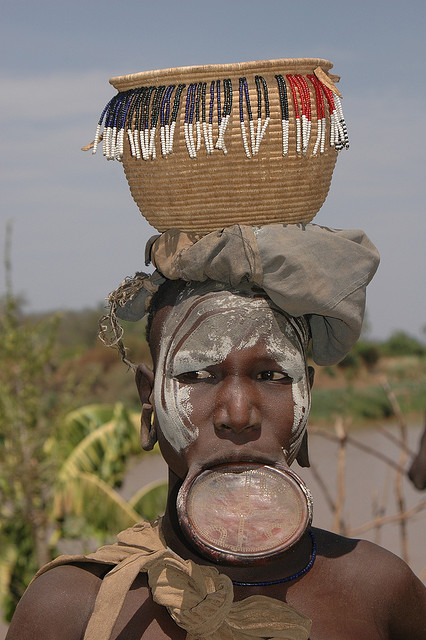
(212, 191)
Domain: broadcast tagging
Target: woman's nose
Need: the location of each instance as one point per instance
(236, 408)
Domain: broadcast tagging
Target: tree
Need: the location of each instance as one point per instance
(33, 403)
(53, 467)
(91, 450)
(401, 343)
(100, 440)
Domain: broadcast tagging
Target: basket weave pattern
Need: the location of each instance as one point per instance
(213, 191)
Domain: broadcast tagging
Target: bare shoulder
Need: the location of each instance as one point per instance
(58, 603)
(363, 560)
(402, 594)
(381, 579)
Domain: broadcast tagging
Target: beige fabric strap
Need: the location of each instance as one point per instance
(198, 598)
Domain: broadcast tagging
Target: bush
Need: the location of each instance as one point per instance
(402, 344)
(365, 404)
(350, 362)
(368, 352)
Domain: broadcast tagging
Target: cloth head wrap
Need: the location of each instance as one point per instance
(305, 269)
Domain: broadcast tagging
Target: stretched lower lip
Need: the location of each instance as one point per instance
(237, 460)
(244, 511)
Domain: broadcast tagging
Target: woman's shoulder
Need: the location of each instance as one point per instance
(359, 553)
(361, 557)
(58, 603)
(377, 578)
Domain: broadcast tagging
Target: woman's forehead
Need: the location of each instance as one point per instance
(221, 320)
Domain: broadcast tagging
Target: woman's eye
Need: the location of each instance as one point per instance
(193, 376)
(273, 375)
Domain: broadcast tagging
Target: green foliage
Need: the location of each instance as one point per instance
(78, 330)
(91, 451)
(411, 395)
(33, 402)
(350, 362)
(402, 344)
(95, 467)
(80, 423)
(95, 369)
(368, 404)
(17, 563)
(85, 494)
(150, 501)
(365, 353)
(59, 466)
(408, 368)
(359, 404)
(368, 352)
(101, 438)
(34, 399)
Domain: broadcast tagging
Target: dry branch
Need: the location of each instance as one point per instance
(379, 522)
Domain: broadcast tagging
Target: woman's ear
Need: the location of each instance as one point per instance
(311, 376)
(145, 385)
(303, 453)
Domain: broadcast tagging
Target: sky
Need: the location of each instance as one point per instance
(76, 230)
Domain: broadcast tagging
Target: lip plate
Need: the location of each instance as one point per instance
(212, 550)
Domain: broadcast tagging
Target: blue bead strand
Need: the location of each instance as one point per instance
(299, 574)
(243, 92)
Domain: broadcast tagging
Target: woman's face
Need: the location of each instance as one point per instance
(231, 382)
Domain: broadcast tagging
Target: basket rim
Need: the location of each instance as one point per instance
(132, 80)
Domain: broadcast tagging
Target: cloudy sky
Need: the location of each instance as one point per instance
(76, 230)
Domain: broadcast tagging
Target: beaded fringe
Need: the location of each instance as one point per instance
(208, 109)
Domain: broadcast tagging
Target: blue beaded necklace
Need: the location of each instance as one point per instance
(288, 578)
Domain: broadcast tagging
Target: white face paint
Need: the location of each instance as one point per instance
(200, 331)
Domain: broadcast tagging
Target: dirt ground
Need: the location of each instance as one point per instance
(369, 489)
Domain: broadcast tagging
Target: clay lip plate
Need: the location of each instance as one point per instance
(244, 510)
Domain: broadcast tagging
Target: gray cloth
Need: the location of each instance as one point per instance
(322, 273)
(307, 270)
